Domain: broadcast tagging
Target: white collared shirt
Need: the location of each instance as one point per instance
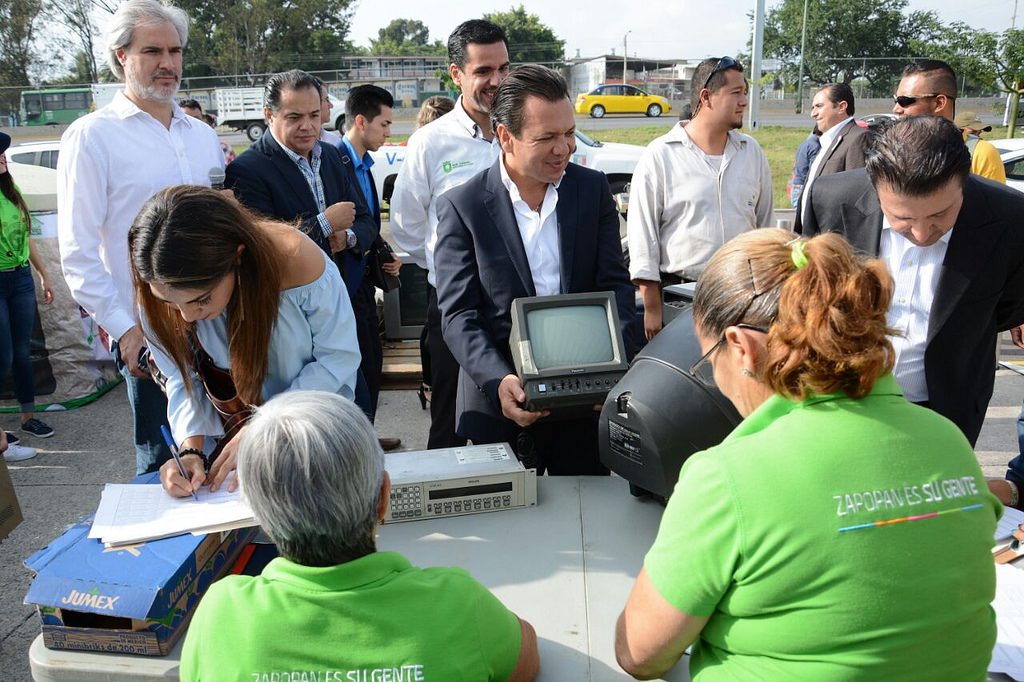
(828, 139)
(915, 271)
(111, 161)
(441, 155)
(540, 234)
(683, 206)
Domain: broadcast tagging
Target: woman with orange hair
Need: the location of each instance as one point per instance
(839, 532)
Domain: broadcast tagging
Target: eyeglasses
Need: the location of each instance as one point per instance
(723, 64)
(909, 100)
(702, 370)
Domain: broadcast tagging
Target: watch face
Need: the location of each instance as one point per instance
(350, 238)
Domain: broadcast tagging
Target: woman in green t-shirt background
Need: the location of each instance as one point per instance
(18, 304)
(839, 532)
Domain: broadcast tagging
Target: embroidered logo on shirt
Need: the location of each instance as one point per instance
(449, 166)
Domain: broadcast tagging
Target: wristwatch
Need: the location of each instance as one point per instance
(350, 239)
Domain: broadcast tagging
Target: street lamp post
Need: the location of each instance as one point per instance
(800, 78)
(625, 56)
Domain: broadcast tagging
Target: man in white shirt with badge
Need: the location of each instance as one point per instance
(695, 188)
(442, 155)
(110, 163)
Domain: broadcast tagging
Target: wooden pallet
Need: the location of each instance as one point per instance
(402, 368)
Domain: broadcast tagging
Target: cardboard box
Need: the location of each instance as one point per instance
(10, 511)
(135, 599)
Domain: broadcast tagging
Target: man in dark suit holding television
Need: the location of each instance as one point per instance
(954, 245)
(532, 224)
(287, 174)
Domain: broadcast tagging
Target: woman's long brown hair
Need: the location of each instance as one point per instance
(187, 237)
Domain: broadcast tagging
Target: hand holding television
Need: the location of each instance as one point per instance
(567, 349)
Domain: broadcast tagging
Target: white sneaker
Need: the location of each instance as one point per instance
(16, 453)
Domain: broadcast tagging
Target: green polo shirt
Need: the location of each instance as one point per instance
(375, 619)
(13, 235)
(771, 536)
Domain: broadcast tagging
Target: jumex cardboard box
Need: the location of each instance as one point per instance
(134, 599)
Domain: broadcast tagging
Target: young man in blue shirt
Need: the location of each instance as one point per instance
(368, 112)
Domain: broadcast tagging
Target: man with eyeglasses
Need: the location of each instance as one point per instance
(695, 188)
(928, 88)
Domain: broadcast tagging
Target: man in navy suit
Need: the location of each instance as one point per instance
(531, 225)
(287, 174)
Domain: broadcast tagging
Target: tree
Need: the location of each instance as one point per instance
(992, 59)
(265, 36)
(846, 39)
(17, 36)
(404, 37)
(529, 40)
(75, 16)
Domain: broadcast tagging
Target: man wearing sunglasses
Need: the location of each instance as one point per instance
(928, 88)
(695, 188)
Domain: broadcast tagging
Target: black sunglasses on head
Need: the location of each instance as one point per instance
(723, 64)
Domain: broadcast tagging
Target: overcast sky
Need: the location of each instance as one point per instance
(660, 28)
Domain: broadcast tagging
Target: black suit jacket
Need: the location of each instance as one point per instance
(980, 290)
(846, 153)
(481, 266)
(266, 180)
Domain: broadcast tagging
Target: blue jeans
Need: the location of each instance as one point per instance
(17, 316)
(149, 407)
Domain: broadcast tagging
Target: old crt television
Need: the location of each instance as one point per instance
(658, 414)
(405, 308)
(567, 349)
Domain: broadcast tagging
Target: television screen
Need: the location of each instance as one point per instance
(569, 336)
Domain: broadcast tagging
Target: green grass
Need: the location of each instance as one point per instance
(779, 144)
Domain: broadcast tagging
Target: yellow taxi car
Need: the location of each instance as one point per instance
(621, 99)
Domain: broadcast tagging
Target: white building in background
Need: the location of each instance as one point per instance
(666, 77)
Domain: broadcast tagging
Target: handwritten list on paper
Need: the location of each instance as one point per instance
(138, 512)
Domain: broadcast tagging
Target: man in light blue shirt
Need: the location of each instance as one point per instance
(368, 112)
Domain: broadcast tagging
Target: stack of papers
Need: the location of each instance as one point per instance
(130, 513)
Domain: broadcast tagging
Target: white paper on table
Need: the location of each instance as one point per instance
(1008, 655)
(1008, 523)
(138, 512)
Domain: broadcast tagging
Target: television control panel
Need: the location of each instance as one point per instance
(456, 481)
(569, 390)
